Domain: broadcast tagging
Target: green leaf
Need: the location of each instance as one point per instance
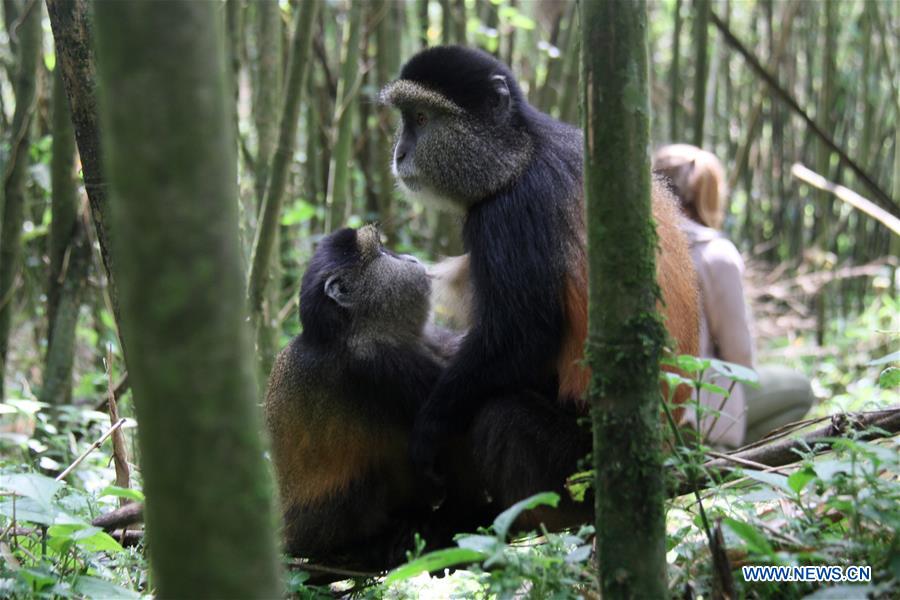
(86, 537)
(673, 380)
(713, 388)
(27, 509)
(735, 372)
(434, 561)
(35, 501)
(93, 587)
(691, 364)
(799, 479)
(37, 579)
(38, 487)
(889, 378)
(505, 519)
(120, 492)
(773, 479)
(756, 542)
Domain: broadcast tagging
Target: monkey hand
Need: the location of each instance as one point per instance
(425, 443)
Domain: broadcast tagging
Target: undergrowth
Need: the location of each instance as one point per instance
(841, 508)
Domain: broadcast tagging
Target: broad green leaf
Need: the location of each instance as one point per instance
(86, 536)
(38, 487)
(434, 561)
(93, 587)
(505, 519)
(735, 372)
(713, 388)
(691, 364)
(27, 509)
(119, 492)
(37, 579)
(756, 542)
(889, 378)
(97, 541)
(798, 479)
(673, 380)
(773, 479)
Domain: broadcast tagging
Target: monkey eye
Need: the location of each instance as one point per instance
(421, 119)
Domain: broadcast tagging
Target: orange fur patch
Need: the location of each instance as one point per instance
(677, 281)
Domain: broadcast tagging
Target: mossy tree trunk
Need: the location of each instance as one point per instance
(168, 131)
(626, 335)
(28, 52)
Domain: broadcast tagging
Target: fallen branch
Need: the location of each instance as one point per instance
(810, 177)
(779, 449)
(125, 515)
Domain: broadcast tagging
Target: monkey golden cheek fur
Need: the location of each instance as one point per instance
(340, 405)
(469, 136)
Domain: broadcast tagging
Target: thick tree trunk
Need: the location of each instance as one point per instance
(28, 35)
(167, 118)
(626, 334)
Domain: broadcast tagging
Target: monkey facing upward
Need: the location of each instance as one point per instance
(341, 401)
(469, 138)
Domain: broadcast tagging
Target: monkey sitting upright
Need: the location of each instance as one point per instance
(468, 138)
(340, 405)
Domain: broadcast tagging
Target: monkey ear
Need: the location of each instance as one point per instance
(501, 93)
(337, 291)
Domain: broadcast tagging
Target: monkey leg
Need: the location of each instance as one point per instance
(526, 444)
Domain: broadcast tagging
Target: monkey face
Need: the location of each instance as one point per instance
(356, 289)
(392, 291)
(455, 157)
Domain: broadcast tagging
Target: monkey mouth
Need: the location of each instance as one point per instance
(411, 182)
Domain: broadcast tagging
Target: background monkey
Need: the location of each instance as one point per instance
(340, 405)
(470, 139)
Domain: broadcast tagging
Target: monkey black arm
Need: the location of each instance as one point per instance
(518, 267)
